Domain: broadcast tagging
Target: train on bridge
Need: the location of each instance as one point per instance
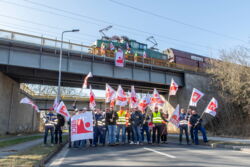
(139, 52)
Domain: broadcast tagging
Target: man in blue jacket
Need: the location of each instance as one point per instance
(183, 125)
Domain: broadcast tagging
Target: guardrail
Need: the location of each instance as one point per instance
(43, 41)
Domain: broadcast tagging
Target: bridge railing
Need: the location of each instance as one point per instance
(55, 43)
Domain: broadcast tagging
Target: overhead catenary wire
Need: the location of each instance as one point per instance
(99, 20)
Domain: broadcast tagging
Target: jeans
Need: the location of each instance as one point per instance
(112, 130)
(191, 131)
(137, 133)
(145, 128)
(185, 129)
(79, 143)
(129, 132)
(158, 128)
(99, 135)
(119, 128)
(203, 131)
(58, 134)
(47, 129)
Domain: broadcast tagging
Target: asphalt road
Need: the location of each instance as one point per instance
(142, 156)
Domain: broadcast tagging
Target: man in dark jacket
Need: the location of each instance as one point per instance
(145, 126)
(100, 128)
(111, 118)
(50, 121)
(58, 128)
(183, 125)
(195, 122)
(136, 122)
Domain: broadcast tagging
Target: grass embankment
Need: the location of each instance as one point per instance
(30, 157)
(10, 142)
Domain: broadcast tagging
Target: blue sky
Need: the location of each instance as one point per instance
(227, 17)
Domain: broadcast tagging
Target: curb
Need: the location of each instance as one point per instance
(51, 155)
(231, 147)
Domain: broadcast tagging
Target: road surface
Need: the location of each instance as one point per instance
(147, 155)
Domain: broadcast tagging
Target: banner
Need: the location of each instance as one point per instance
(92, 103)
(26, 100)
(173, 88)
(175, 117)
(121, 99)
(56, 103)
(119, 58)
(109, 94)
(85, 83)
(133, 98)
(156, 99)
(62, 109)
(144, 102)
(211, 107)
(195, 97)
(82, 126)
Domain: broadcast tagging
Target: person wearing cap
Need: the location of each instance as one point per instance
(157, 120)
(100, 128)
(50, 120)
(111, 118)
(121, 125)
(183, 125)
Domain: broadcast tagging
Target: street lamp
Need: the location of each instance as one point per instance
(60, 64)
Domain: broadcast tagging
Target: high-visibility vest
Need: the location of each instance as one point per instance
(157, 118)
(121, 117)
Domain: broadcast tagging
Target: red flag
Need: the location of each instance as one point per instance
(121, 99)
(144, 102)
(211, 107)
(26, 100)
(133, 98)
(85, 83)
(173, 88)
(62, 109)
(156, 99)
(110, 93)
(195, 97)
(92, 103)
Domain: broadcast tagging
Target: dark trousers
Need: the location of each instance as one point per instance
(185, 129)
(47, 129)
(157, 129)
(191, 131)
(145, 128)
(129, 132)
(99, 135)
(203, 131)
(58, 134)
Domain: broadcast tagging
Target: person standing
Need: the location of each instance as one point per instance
(183, 125)
(157, 120)
(128, 126)
(145, 126)
(136, 123)
(58, 128)
(164, 134)
(111, 118)
(50, 121)
(121, 125)
(100, 128)
(195, 122)
(190, 128)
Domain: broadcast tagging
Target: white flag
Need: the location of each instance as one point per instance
(175, 117)
(119, 58)
(156, 99)
(62, 109)
(133, 98)
(92, 103)
(144, 102)
(56, 103)
(111, 46)
(195, 97)
(82, 126)
(110, 93)
(121, 99)
(144, 55)
(173, 88)
(211, 107)
(85, 83)
(26, 100)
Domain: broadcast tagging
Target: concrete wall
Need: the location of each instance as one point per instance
(15, 117)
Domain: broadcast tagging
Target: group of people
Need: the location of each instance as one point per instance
(135, 127)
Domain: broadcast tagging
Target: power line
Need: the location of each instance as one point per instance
(99, 20)
(176, 21)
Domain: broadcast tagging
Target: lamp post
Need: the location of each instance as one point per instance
(60, 65)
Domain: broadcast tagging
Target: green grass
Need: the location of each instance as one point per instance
(30, 157)
(10, 142)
